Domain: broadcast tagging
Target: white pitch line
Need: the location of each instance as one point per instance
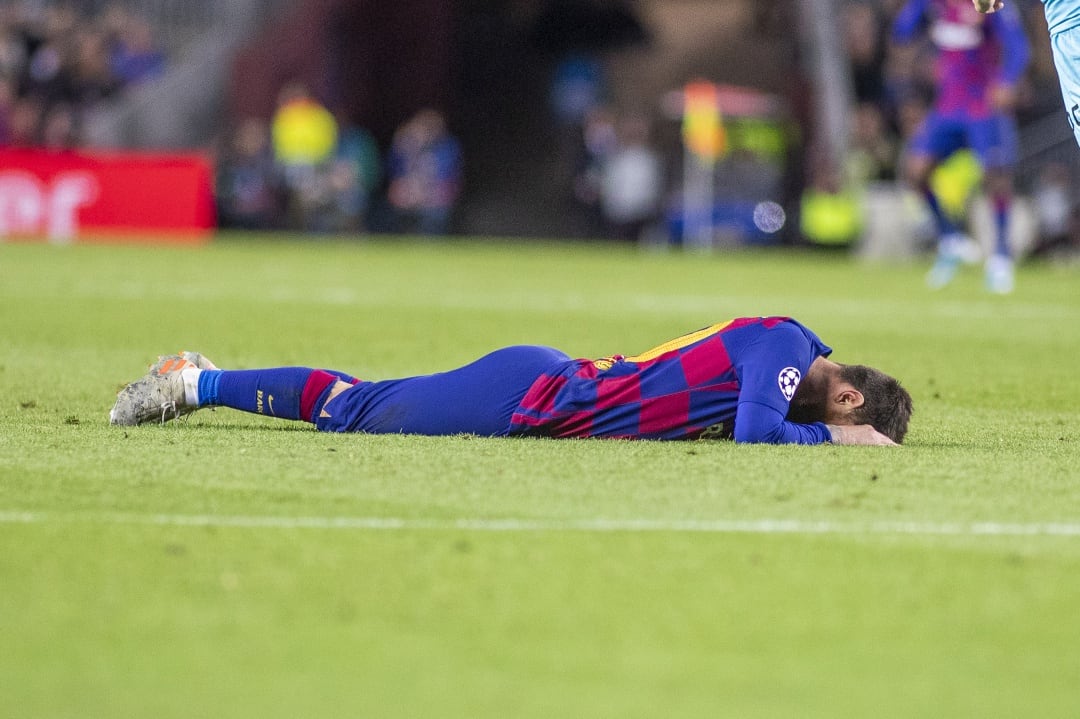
(704, 526)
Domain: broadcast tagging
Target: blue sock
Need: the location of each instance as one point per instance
(945, 225)
(208, 387)
(272, 392)
(1001, 224)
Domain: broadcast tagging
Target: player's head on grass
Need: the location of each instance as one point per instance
(886, 405)
(842, 394)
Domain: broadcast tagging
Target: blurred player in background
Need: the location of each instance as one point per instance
(1063, 22)
(754, 379)
(980, 59)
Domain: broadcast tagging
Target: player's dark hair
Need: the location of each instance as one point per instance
(886, 405)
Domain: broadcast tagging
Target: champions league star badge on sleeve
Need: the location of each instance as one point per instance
(789, 381)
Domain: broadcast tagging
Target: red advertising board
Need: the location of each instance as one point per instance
(76, 195)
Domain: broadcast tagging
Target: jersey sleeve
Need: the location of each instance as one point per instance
(755, 423)
(770, 370)
(908, 21)
(1015, 52)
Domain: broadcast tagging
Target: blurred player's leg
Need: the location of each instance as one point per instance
(935, 139)
(996, 143)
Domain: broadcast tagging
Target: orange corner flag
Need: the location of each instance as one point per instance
(703, 128)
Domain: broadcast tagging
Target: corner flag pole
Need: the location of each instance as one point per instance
(703, 143)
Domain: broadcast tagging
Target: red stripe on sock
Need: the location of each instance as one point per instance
(313, 389)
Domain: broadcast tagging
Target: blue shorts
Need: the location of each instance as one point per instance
(479, 398)
(1066, 48)
(993, 139)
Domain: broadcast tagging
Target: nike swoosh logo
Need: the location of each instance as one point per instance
(270, 402)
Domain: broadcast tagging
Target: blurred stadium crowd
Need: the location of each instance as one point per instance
(306, 169)
(310, 167)
(56, 63)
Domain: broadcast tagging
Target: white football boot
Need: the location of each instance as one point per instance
(159, 395)
(1000, 276)
(953, 250)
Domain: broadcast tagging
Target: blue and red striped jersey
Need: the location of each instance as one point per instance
(731, 380)
(974, 51)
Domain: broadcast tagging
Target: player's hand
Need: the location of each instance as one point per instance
(988, 6)
(858, 434)
(1003, 97)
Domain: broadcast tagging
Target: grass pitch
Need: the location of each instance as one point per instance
(230, 566)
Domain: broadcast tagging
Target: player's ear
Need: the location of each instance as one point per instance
(848, 396)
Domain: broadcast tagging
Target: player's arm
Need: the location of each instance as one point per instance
(1015, 49)
(988, 6)
(769, 373)
(909, 21)
(756, 423)
(762, 424)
